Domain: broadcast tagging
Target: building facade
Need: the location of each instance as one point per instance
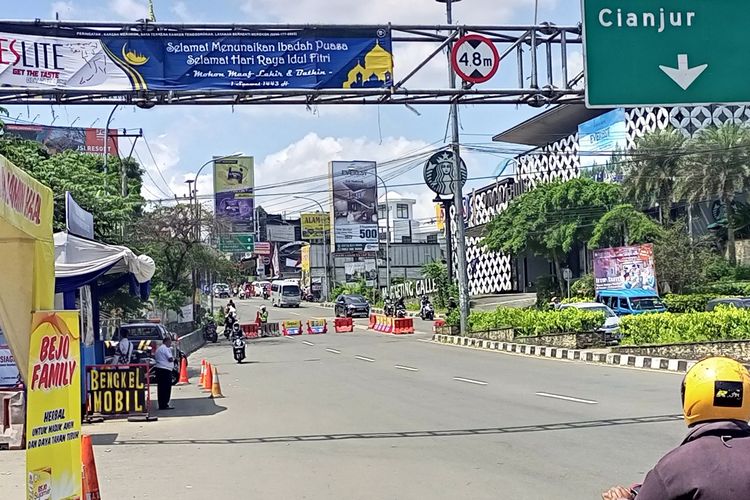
(555, 155)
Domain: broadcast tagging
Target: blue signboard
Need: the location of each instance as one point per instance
(109, 60)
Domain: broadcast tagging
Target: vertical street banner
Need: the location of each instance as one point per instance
(70, 58)
(234, 202)
(315, 225)
(53, 419)
(355, 206)
(628, 268)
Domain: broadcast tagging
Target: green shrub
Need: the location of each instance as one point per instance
(583, 287)
(536, 322)
(576, 300)
(725, 323)
(682, 303)
(724, 288)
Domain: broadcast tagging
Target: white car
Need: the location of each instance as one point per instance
(611, 320)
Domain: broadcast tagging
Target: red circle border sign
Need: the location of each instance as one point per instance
(464, 76)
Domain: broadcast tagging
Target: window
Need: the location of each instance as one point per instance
(624, 303)
(406, 239)
(432, 238)
(381, 212)
(402, 211)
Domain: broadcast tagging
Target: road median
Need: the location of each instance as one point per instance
(598, 356)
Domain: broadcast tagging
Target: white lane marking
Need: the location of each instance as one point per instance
(307, 343)
(365, 359)
(296, 314)
(425, 340)
(567, 398)
(333, 351)
(407, 368)
(470, 381)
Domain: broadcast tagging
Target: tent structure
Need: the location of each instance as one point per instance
(88, 270)
(26, 256)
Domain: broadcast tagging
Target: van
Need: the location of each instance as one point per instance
(624, 302)
(285, 293)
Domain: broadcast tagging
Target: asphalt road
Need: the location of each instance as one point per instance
(372, 416)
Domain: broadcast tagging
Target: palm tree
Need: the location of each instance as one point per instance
(718, 166)
(656, 161)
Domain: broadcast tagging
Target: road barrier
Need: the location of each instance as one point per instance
(291, 327)
(250, 330)
(317, 326)
(345, 325)
(403, 326)
(384, 324)
(437, 324)
(270, 330)
(373, 320)
(189, 343)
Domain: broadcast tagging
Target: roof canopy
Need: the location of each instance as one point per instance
(548, 127)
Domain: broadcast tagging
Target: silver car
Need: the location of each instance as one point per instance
(611, 324)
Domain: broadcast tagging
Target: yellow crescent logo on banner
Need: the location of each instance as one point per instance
(133, 57)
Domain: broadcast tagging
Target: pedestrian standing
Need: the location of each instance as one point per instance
(164, 367)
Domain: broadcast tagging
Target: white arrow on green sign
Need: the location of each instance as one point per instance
(671, 52)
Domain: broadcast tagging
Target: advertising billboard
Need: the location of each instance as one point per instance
(281, 233)
(630, 268)
(315, 225)
(58, 139)
(364, 270)
(355, 206)
(68, 58)
(234, 201)
(601, 143)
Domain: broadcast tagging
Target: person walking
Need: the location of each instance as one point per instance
(164, 367)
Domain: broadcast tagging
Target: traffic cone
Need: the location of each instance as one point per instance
(216, 386)
(202, 378)
(209, 380)
(90, 480)
(183, 372)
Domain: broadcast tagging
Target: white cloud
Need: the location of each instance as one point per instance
(180, 9)
(130, 10)
(65, 9)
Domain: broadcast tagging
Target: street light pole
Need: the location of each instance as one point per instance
(325, 245)
(463, 282)
(195, 187)
(106, 141)
(387, 237)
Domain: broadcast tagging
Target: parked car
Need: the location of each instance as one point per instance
(738, 302)
(631, 301)
(349, 306)
(611, 325)
(146, 338)
(285, 294)
(222, 291)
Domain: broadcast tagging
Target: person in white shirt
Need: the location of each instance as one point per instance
(124, 349)
(164, 366)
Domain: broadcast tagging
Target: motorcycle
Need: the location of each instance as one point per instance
(238, 343)
(427, 312)
(229, 324)
(243, 295)
(265, 294)
(400, 308)
(388, 309)
(209, 332)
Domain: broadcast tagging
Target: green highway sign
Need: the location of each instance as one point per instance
(648, 53)
(236, 243)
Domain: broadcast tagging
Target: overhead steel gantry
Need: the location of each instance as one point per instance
(538, 55)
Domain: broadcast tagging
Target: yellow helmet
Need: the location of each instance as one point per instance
(716, 389)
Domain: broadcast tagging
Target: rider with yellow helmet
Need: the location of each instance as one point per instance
(713, 462)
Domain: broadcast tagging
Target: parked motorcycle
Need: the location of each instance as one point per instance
(209, 332)
(238, 343)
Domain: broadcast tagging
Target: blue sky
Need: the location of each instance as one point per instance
(291, 142)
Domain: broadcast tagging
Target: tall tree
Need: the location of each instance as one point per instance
(718, 166)
(551, 219)
(624, 225)
(655, 164)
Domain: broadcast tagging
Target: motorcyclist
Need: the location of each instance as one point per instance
(400, 305)
(712, 462)
(230, 306)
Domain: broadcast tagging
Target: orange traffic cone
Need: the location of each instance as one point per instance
(202, 378)
(208, 382)
(183, 372)
(216, 386)
(90, 480)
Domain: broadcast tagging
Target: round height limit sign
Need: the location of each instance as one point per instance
(475, 58)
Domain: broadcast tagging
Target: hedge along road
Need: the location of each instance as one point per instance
(300, 421)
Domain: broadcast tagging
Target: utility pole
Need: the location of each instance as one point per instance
(463, 282)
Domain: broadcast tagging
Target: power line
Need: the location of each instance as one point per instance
(156, 164)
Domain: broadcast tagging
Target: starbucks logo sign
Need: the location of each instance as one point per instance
(438, 172)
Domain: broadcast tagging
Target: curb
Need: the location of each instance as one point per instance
(627, 360)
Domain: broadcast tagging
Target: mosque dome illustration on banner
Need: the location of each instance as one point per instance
(376, 71)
